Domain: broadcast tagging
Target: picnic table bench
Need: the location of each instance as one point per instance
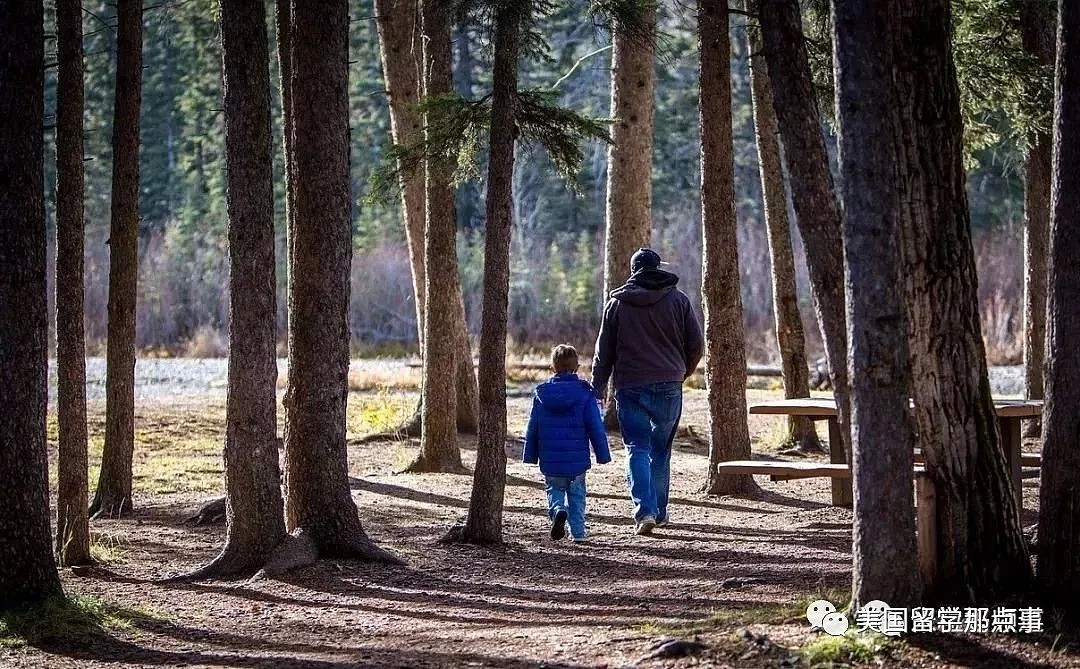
(1009, 413)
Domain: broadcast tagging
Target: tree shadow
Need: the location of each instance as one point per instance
(259, 653)
(968, 651)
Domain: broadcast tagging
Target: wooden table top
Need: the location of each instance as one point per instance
(825, 407)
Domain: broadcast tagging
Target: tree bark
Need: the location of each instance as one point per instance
(629, 163)
(113, 496)
(72, 523)
(817, 211)
(283, 32)
(27, 571)
(1037, 174)
(253, 503)
(885, 558)
(725, 348)
(400, 48)
(400, 42)
(981, 555)
(1037, 38)
(438, 439)
(484, 522)
(318, 504)
(1059, 519)
(790, 340)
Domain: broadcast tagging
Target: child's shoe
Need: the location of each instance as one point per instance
(558, 525)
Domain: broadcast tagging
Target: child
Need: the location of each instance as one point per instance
(565, 417)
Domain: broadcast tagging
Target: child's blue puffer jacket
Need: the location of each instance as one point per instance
(564, 419)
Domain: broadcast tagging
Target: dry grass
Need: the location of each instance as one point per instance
(207, 342)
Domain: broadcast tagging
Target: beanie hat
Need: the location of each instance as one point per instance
(644, 259)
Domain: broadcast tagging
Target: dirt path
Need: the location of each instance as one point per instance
(723, 564)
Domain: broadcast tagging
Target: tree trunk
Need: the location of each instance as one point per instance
(484, 522)
(438, 440)
(318, 504)
(400, 44)
(1059, 519)
(27, 571)
(790, 340)
(283, 33)
(253, 504)
(72, 523)
(629, 164)
(1037, 38)
(1037, 174)
(885, 558)
(113, 496)
(817, 211)
(980, 552)
(725, 348)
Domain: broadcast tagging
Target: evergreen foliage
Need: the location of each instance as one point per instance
(558, 196)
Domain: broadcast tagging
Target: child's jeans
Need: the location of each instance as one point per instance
(567, 493)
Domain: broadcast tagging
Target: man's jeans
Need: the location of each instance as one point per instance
(648, 416)
(567, 493)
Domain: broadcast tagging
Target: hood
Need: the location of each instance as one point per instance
(561, 394)
(646, 287)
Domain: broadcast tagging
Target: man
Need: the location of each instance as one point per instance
(649, 343)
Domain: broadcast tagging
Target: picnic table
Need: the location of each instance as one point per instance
(1009, 413)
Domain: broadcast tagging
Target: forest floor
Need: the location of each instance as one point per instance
(735, 573)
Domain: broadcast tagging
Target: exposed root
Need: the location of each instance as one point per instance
(228, 564)
(458, 534)
(447, 465)
(103, 507)
(297, 550)
(454, 534)
(211, 513)
(736, 485)
(410, 429)
(356, 545)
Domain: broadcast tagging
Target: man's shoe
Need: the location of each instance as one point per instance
(558, 525)
(661, 522)
(645, 525)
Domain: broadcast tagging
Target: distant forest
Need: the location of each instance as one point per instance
(557, 260)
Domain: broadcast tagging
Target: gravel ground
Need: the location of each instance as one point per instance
(205, 379)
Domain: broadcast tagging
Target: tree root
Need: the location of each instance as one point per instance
(109, 508)
(736, 485)
(228, 564)
(295, 551)
(410, 429)
(422, 465)
(211, 513)
(457, 535)
(355, 545)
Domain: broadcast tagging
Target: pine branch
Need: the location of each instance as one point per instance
(559, 130)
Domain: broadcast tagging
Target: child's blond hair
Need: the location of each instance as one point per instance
(564, 358)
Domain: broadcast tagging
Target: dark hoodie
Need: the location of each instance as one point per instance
(563, 420)
(649, 334)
